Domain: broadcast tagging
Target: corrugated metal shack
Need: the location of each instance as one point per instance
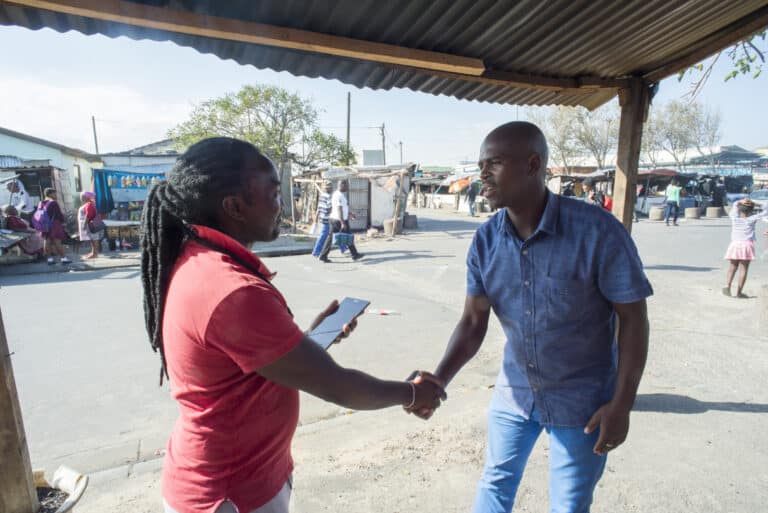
(374, 194)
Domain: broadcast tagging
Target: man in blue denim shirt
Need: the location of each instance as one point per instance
(557, 272)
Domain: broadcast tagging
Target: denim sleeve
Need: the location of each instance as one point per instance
(475, 285)
(620, 275)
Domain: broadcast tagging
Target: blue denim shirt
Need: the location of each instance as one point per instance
(553, 295)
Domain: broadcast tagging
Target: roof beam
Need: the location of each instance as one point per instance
(710, 45)
(433, 63)
(185, 22)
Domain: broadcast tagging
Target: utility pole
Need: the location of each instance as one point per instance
(401, 152)
(95, 140)
(383, 145)
(349, 113)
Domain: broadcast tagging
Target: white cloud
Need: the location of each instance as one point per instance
(125, 118)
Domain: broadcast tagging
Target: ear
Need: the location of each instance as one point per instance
(534, 164)
(232, 207)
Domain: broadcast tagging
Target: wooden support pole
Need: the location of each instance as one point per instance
(634, 102)
(17, 488)
(397, 202)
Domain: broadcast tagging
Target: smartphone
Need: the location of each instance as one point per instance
(332, 326)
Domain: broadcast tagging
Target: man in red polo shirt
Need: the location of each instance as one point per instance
(235, 357)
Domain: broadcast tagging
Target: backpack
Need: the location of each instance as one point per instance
(41, 219)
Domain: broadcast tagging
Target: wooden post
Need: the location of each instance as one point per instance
(397, 203)
(17, 488)
(634, 102)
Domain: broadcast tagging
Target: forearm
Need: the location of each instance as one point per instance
(462, 347)
(310, 368)
(633, 352)
(362, 391)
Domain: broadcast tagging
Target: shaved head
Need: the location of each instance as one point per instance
(521, 135)
(513, 166)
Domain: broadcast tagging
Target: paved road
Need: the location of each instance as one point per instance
(88, 381)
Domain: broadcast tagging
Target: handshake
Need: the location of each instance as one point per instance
(429, 392)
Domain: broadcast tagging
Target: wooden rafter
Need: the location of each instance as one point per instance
(186, 22)
(434, 63)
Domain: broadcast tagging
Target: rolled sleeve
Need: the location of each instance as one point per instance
(253, 327)
(620, 276)
(475, 285)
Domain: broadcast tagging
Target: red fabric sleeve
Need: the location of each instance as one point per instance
(253, 327)
(90, 212)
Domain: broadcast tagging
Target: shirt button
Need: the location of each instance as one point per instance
(535, 389)
(527, 312)
(525, 252)
(526, 283)
(531, 365)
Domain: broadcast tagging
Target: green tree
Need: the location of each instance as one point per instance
(272, 118)
(320, 149)
(747, 58)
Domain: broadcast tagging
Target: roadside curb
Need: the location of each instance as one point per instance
(37, 268)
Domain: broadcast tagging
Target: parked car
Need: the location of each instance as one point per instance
(760, 198)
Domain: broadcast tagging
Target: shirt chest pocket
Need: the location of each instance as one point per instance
(566, 300)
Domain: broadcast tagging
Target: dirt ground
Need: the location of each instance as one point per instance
(695, 442)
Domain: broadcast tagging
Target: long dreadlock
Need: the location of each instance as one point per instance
(192, 194)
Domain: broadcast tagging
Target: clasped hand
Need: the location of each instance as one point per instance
(430, 392)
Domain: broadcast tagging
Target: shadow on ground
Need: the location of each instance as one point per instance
(378, 257)
(683, 268)
(71, 276)
(452, 226)
(674, 403)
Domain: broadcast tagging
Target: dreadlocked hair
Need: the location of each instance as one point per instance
(191, 194)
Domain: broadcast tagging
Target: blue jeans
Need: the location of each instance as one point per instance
(325, 229)
(574, 469)
(672, 206)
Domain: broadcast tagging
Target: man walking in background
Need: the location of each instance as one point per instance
(322, 218)
(339, 218)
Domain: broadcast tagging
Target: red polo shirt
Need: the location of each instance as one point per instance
(221, 324)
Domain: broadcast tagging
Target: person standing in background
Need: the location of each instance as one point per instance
(672, 195)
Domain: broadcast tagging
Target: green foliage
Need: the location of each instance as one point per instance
(319, 148)
(274, 119)
(747, 58)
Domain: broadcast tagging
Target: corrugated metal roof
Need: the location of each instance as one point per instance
(65, 149)
(11, 161)
(558, 38)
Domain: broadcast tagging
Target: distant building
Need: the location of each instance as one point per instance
(156, 157)
(40, 163)
(373, 158)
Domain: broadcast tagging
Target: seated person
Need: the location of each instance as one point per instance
(32, 245)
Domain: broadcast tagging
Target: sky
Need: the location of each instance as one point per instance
(51, 84)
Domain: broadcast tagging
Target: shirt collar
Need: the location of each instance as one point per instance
(229, 244)
(548, 222)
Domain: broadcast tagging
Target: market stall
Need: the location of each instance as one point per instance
(120, 200)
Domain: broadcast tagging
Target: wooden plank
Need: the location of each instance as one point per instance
(710, 45)
(17, 487)
(398, 57)
(634, 109)
(187, 22)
